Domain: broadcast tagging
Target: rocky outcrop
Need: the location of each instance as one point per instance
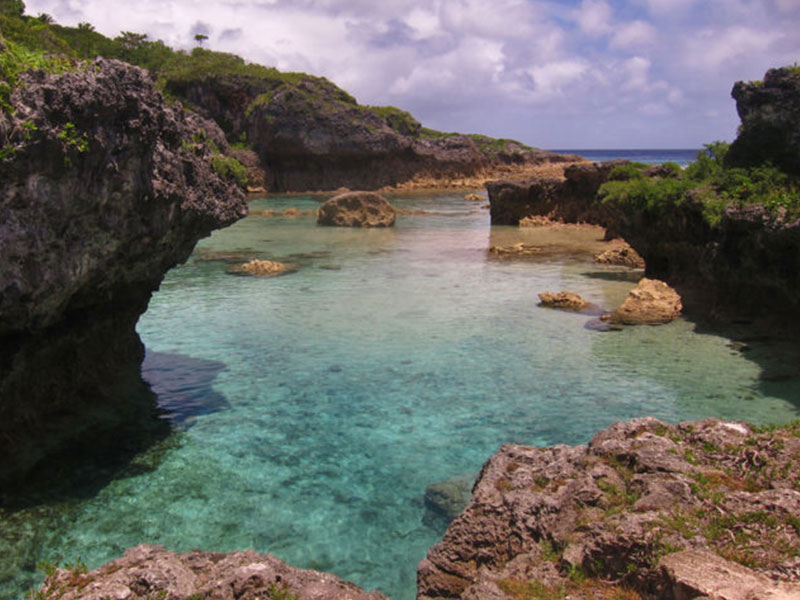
(446, 499)
(311, 135)
(770, 114)
(147, 572)
(562, 300)
(357, 209)
(654, 508)
(105, 188)
(620, 254)
(571, 200)
(651, 302)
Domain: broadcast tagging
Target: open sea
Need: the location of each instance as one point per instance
(651, 156)
(310, 411)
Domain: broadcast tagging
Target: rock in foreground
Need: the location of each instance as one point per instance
(623, 512)
(147, 572)
(357, 209)
(652, 302)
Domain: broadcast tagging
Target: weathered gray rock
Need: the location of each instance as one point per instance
(357, 209)
(147, 572)
(651, 302)
(770, 114)
(104, 189)
(641, 490)
(570, 200)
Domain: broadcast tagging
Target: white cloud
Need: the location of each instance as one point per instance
(535, 69)
(634, 35)
(594, 17)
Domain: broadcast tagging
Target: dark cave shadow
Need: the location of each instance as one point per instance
(156, 408)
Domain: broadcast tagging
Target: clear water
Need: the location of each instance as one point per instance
(651, 156)
(313, 409)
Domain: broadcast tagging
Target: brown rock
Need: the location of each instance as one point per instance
(563, 300)
(620, 254)
(357, 209)
(261, 268)
(146, 572)
(474, 197)
(639, 490)
(652, 302)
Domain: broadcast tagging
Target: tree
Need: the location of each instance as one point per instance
(200, 38)
(14, 8)
(45, 18)
(84, 26)
(130, 41)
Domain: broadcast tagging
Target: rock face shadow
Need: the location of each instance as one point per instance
(183, 386)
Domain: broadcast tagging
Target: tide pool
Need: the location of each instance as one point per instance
(311, 410)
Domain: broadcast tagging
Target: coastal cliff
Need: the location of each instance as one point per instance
(105, 188)
(312, 135)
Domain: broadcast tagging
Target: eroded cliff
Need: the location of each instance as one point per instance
(105, 188)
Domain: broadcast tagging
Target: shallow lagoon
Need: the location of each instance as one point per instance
(311, 410)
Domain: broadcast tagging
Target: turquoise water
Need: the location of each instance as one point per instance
(311, 410)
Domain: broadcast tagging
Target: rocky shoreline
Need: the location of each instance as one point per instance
(644, 510)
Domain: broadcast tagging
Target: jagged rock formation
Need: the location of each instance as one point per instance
(770, 114)
(654, 508)
(651, 302)
(146, 572)
(104, 189)
(620, 254)
(311, 135)
(357, 209)
(570, 200)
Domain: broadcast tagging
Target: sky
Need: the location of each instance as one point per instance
(557, 74)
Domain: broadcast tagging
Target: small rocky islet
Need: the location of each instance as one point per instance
(646, 509)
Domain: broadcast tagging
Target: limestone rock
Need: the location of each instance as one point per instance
(107, 191)
(261, 268)
(639, 491)
(146, 572)
(474, 197)
(517, 250)
(357, 209)
(699, 573)
(652, 302)
(562, 300)
(770, 114)
(620, 254)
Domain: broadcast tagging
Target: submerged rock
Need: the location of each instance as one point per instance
(146, 572)
(517, 250)
(562, 300)
(357, 209)
(617, 510)
(446, 499)
(652, 302)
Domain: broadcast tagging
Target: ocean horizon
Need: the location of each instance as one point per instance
(682, 156)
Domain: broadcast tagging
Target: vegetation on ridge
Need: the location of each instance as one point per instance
(707, 181)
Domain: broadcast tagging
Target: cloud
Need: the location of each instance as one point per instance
(556, 74)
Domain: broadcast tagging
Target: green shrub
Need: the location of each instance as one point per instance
(15, 59)
(653, 195)
(229, 168)
(628, 171)
(400, 121)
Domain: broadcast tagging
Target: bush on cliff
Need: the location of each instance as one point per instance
(706, 181)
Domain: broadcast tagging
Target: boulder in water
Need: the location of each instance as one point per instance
(357, 209)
